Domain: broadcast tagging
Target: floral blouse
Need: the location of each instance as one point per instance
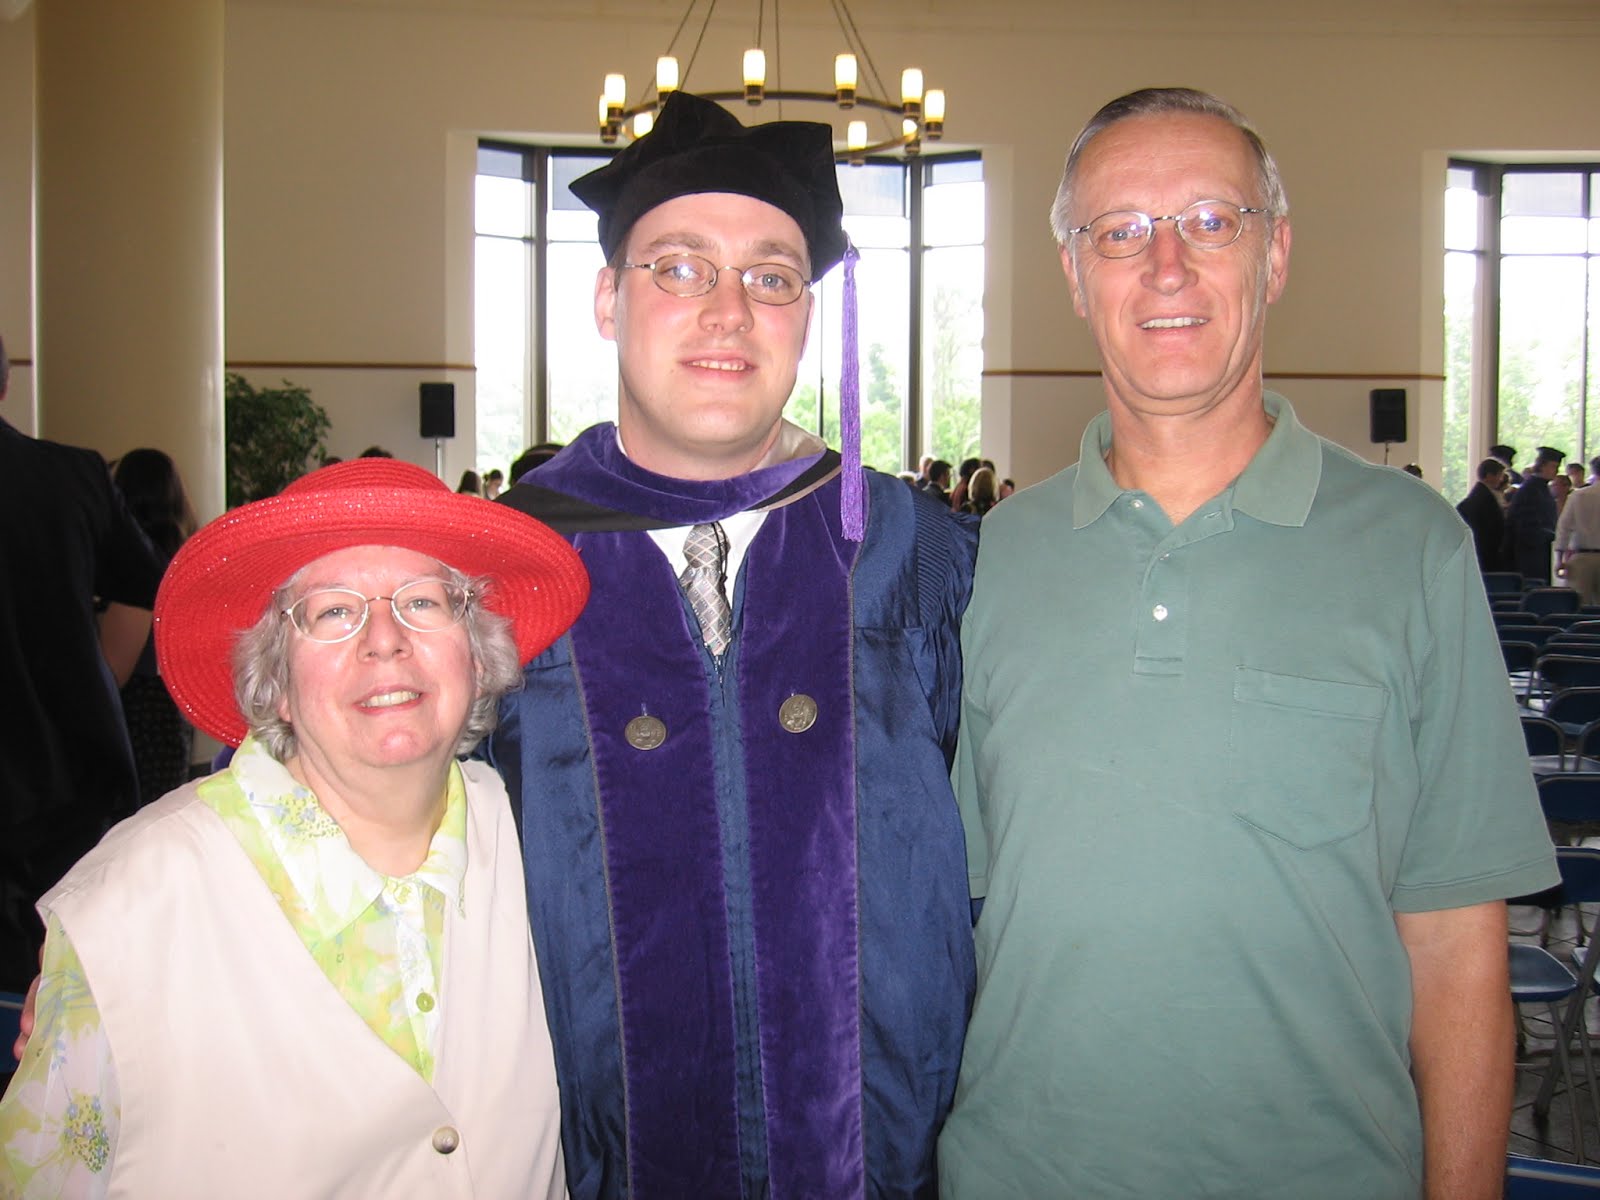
(380, 942)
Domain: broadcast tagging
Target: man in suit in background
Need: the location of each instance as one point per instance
(1480, 509)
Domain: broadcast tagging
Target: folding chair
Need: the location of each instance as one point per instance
(1559, 671)
(1520, 660)
(1568, 643)
(1499, 583)
(1571, 798)
(1547, 745)
(1580, 884)
(1539, 977)
(1585, 625)
(1585, 756)
(1574, 708)
(1513, 616)
(1540, 1179)
(1546, 600)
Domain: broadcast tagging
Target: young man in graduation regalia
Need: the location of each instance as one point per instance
(746, 874)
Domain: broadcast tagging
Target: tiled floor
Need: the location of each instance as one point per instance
(1552, 1138)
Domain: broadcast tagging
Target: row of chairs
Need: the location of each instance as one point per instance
(1539, 601)
(1562, 663)
(1552, 655)
(1511, 624)
(1509, 583)
(1538, 977)
(1565, 736)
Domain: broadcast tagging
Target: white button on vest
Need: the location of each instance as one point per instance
(446, 1139)
(1159, 612)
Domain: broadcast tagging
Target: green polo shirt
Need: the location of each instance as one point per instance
(1200, 768)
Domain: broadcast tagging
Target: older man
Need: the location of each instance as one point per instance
(745, 863)
(1244, 933)
(1578, 542)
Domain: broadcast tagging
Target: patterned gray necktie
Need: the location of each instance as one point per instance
(706, 548)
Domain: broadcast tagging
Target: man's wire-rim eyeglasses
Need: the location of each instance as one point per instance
(1205, 225)
(688, 275)
(330, 615)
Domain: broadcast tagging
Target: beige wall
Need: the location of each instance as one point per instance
(16, 210)
(348, 135)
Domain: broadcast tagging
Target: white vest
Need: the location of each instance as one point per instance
(244, 1073)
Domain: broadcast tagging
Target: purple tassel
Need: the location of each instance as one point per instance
(853, 495)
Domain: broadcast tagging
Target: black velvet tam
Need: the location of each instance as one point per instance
(698, 146)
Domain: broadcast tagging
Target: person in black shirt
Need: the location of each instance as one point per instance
(1531, 518)
(66, 766)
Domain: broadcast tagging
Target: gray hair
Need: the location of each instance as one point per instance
(1155, 102)
(261, 668)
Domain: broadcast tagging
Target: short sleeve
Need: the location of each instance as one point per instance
(1477, 833)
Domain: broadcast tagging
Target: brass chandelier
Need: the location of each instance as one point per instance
(917, 117)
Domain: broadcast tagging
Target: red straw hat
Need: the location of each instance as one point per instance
(222, 579)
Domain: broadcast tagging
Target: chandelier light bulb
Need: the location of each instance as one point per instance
(844, 80)
(755, 75)
(666, 76)
(911, 91)
(933, 114)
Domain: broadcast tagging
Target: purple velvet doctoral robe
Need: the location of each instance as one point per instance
(754, 939)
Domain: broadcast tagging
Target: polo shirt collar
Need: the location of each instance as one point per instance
(1277, 487)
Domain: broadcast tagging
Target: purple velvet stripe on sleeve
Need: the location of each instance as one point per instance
(594, 469)
(795, 638)
(636, 656)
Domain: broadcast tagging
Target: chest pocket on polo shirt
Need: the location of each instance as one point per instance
(1301, 755)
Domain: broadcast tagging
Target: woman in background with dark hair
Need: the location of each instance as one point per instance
(162, 739)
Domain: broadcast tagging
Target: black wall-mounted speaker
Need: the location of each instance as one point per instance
(1388, 414)
(439, 410)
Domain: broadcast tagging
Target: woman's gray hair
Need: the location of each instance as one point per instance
(1155, 102)
(261, 667)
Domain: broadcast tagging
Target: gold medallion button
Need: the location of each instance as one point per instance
(645, 733)
(798, 713)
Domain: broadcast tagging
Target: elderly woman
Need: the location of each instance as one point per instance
(310, 975)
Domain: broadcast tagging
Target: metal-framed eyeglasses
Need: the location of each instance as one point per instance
(1205, 225)
(331, 615)
(689, 275)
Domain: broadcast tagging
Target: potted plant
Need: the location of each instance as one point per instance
(274, 436)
